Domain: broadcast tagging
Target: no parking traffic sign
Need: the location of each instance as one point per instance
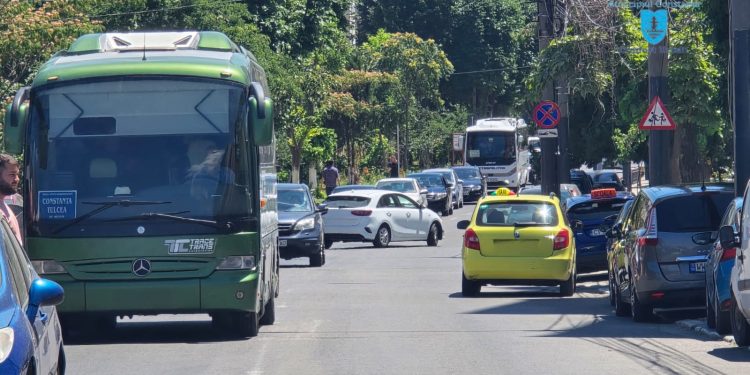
(547, 115)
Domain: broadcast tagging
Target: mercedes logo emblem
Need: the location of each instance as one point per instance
(141, 267)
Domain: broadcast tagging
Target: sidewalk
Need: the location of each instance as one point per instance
(700, 327)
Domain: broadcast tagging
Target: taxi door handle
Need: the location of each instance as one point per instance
(408, 214)
(388, 214)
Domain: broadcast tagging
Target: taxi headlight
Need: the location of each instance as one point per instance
(306, 223)
(48, 267)
(6, 343)
(244, 262)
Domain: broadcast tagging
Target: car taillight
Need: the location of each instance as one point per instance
(729, 254)
(471, 241)
(361, 212)
(650, 238)
(561, 240)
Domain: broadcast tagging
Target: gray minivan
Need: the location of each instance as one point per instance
(665, 241)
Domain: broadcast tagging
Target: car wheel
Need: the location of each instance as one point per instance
(246, 323)
(723, 320)
(621, 308)
(461, 203)
(382, 237)
(451, 211)
(432, 235)
(445, 212)
(328, 243)
(568, 287)
(611, 290)
(269, 313)
(318, 259)
(740, 328)
(710, 312)
(469, 288)
(639, 311)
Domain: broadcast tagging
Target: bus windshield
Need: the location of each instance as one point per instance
(147, 156)
(490, 148)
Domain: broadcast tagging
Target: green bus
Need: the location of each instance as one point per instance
(149, 179)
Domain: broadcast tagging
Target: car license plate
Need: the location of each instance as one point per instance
(493, 179)
(282, 243)
(698, 267)
(596, 233)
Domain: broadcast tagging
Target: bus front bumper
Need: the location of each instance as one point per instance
(222, 291)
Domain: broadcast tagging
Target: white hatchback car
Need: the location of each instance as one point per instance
(379, 216)
(407, 186)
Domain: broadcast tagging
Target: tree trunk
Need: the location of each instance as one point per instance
(312, 176)
(296, 161)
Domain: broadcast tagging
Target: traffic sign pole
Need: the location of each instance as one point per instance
(660, 143)
(739, 92)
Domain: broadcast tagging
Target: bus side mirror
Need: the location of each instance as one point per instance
(16, 116)
(260, 116)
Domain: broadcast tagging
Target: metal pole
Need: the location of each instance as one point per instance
(739, 89)
(548, 163)
(563, 95)
(660, 142)
(398, 147)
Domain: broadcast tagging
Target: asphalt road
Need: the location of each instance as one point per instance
(399, 311)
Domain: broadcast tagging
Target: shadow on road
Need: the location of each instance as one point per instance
(732, 354)
(189, 332)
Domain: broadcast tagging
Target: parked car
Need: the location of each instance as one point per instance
(740, 279)
(455, 182)
(513, 239)
(439, 197)
(596, 213)
(719, 273)
(341, 188)
(380, 216)
(608, 178)
(667, 235)
(583, 180)
(614, 247)
(408, 186)
(301, 231)
(31, 339)
(474, 183)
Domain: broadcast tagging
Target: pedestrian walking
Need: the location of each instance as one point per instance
(330, 176)
(393, 167)
(9, 178)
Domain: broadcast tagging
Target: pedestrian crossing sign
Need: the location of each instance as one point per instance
(657, 117)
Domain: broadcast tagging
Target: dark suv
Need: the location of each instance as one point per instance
(300, 225)
(665, 240)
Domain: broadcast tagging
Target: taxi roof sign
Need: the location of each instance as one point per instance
(502, 191)
(603, 193)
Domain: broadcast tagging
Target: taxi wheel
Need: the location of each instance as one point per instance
(432, 235)
(469, 288)
(568, 287)
(382, 237)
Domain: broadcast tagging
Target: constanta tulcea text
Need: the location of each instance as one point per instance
(653, 4)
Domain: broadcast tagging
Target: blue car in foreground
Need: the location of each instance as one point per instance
(719, 272)
(596, 213)
(30, 334)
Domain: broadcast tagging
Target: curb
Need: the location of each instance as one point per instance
(700, 327)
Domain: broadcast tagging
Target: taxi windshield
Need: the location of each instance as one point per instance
(517, 213)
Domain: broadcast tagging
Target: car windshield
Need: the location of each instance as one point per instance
(595, 210)
(606, 177)
(399, 186)
(692, 213)
(467, 173)
(347, 201)
(428, 180)
(490, 148)
(294, 201)
(517, 213)
(136, 139)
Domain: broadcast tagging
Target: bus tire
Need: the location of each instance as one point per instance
(269, 313)
(246, 323)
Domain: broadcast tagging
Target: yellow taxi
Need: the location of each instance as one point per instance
(518, 240)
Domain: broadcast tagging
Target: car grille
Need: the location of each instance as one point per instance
(285, 228)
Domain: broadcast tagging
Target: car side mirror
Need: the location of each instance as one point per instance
(260, 116)
(43, 292)
(615, 231)
(728, 237)
(323, 208)
(463, 224)
(16, 116)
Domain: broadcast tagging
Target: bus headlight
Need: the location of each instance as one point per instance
(306, 223)
(48, 267)
(236, 262)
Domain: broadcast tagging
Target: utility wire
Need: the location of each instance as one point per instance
(209, 4)
(492, 70)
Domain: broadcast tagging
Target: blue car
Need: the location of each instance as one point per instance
(594, 213)
(30, 335)
(718, 273)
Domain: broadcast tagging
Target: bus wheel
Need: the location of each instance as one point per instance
(247, 323)
(269, 313)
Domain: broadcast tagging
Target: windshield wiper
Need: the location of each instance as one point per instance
(526, 224)
(105, 205)
(173, 216)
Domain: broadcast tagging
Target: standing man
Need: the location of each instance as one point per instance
(330, 176)
(9, 171)
(393, 166)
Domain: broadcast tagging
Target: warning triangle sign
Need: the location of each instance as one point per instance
(657, 117)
